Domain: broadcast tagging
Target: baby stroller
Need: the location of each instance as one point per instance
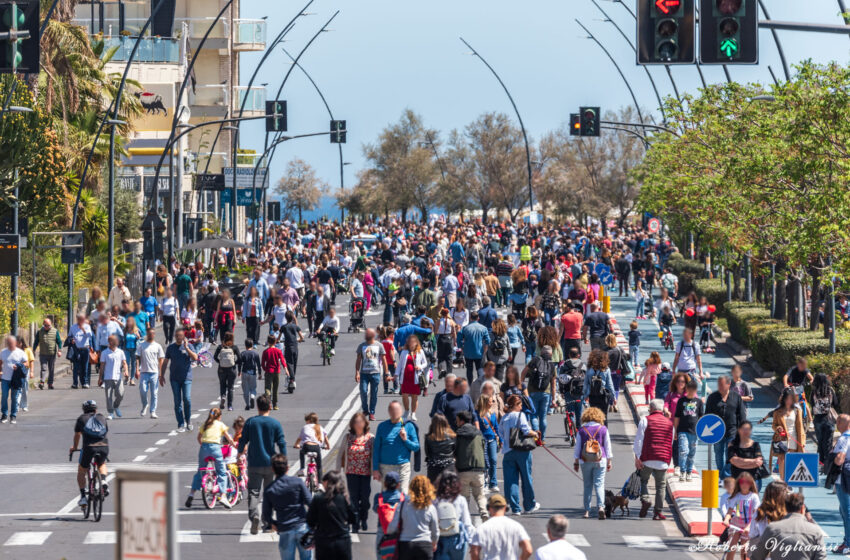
(356, 314)
(518, 301)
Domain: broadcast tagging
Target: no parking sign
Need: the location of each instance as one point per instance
(653, 225)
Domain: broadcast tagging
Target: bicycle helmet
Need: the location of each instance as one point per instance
(89, 406)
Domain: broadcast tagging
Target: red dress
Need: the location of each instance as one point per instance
(409, 384)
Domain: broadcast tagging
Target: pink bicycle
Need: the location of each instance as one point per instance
(311, 476)
(211, 491)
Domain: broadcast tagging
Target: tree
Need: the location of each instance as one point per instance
(300, 189)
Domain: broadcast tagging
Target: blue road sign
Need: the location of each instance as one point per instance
(801, 469)
(711, 429)
(601, 268)
(606, 278)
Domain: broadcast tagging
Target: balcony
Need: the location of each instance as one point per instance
(151, 49)
(250, 35)
(254, 99)
(209, 100)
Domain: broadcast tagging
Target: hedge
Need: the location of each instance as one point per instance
(688, 271)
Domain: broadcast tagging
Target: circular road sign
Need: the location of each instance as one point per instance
(653, 225)
(711, 429)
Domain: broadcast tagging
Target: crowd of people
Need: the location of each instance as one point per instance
(495, 314)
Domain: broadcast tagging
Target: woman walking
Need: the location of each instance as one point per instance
(252, 315)
(593, 456)
(516, 463)
(439, 447)
(745, 454)
(499, 349)
(489, 416)
(225, 314)
(412, 363)
(417, 518)
(788, 433)
(329, 516)
(170, 310)
(452, 544)
(131, 341)
(227, 357)
(356, 461)
(446, 337)
(824, 401)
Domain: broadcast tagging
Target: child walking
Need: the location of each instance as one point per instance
(648, 376)
(740, 512)
(688, 411)
(312, 439)
(634, 343)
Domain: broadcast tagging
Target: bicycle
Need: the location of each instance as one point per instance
(312, 474)
(668, 338)
(570, 423)
(210, 490)
(205, 358)
(325, 341)
(95, 493)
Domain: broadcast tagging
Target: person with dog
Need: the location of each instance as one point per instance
(593, 456)
(653, 449)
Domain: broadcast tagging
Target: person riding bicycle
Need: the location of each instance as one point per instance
(666, 322)
(209, 436)
(312, 439)
(329, 327)
(92, 428)
(798, 377)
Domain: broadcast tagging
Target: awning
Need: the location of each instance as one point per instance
(145, 152)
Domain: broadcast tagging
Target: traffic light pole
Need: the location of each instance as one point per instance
(273, 148)
(521, 125)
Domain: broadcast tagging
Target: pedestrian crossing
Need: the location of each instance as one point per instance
(39, 538)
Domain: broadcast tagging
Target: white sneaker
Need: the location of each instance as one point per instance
(25, 409)
(677, 472)
(83, 501)
(535, 508)
(144, 410)
(333, 352)
(153, 415)
(181, 429)
(109, 417)
(681, 477)
(405, 416)
(413, 417)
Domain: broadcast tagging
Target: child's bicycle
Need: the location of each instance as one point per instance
(238, 468)
(325, 342)
(311, 476)
(570, 422)
(211, 491)
(205, 357)
(95, 491)
(667, 338)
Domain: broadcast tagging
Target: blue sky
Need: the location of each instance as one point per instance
(383, 56)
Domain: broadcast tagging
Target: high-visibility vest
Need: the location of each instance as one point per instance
(525, 253)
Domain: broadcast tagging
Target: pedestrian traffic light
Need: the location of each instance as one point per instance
(74, 254)
(575, 124)
(273, 211)
(665, 30)
(275, 116)
(19, 36)
(10, 255)
(589, 117)
(728, 32)
(338, 132)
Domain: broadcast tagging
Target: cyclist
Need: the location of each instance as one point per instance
(209, 436)
(666, 322)
(92, 428)
(329, 327)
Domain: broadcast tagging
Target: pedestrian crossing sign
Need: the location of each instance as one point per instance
(801, 469)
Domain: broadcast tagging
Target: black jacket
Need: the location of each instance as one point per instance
(439, 453)
(330, 518)
(733, 411)
(288, 497)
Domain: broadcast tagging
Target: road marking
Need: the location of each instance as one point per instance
(151, 449)
(29, 538)
(65, 468)
(246, 536)
(575, 539)
(194, 416)
(172, 433)
(72, 503)
(161, 441)
(100, 537)
(188, 536)
(140, 458)
(214, 402)
(355, 538)
(203, 409)
(649, 542)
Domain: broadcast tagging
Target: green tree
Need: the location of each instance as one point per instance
(300, 189)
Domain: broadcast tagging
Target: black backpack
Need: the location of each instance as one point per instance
(597, 386)
(498, 346)
(529, 331)
(540, 371)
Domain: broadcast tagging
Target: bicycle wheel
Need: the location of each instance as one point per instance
(233, 494)
(312, 482)
(96, 496)
(87, 508)
(207, 491)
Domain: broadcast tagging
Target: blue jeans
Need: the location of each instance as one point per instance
(290, 541)
(640, 310)
(517, 467)
(80, 364)
(369, 381)
(844, 509)
(720, 457)
(593, 477)
(149, 382)
(132, 364)
(491, 454)
(634, 354)
(530, 350)
(447, 548)
(15, 394)
(541, 405)
(182, 401)
(687, 451)
(210, 450)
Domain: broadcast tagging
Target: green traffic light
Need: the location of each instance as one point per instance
(14, 17)
(729, 47)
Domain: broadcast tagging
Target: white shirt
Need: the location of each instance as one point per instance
(559, 550)
(308, 434)
(499, 538)
(149, 355)
(11, 359)
(461, 318)
(296, 277)
(279, 312)
(169, 306)
(190, 314)
(112, 360)
(332, 322)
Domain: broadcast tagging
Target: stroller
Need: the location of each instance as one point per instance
(518, 303)
(357, 313)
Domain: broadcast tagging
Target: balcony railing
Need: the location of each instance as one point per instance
(151, 49)
(213, 95)
(254, 98)
(251, 32)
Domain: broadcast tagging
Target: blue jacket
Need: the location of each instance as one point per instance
(515, 336)
(289, 498)
(457, 252)
(389, 449)
(262, 288)
(486, 316)
(472, 339)
(404, 331)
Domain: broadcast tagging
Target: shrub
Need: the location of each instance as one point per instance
(713, 289)
(688, 271)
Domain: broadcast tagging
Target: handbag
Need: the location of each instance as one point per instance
(93, 358)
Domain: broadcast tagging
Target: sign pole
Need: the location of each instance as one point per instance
(710, 510)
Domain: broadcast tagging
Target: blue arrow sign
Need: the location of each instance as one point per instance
(606, 278)
(801, 469)
(711, 429)
(601, 268)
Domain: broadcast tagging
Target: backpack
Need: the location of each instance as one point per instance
(386, 512)
(94, 428)
(540, 373)
(529, 331)
(597, 385)
(227, 357)
(498, 346)
(388, 545)
(591, 451)
(631, 489)
(447, 520)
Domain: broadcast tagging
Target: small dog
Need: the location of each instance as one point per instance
(612, 502)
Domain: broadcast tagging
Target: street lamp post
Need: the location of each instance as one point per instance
(521, 125)
(111, 189)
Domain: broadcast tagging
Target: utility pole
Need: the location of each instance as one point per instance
(13, 319)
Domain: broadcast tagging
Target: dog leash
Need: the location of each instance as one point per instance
(571, 471)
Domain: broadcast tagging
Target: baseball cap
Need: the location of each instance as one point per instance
(496, 501)
(391, 478)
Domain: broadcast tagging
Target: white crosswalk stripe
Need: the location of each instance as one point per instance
(71, 467)
(28, 538)
(649, 542)
(100, 537)
(246, 536)
(575, 539)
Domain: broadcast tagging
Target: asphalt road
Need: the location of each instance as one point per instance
(39, 517)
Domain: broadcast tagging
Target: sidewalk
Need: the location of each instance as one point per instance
(686, 496)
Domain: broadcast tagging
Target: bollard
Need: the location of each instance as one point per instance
(606, 304)
(710, 479)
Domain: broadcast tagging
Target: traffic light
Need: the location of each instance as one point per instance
(728, 32)
(665, 30)
(10, 255)
(275, 116)
(338, 132)
(589, 117)
(19, 36)
(575, 124)
(74, 254)
(273, 211)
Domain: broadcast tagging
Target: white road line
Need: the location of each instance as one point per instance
(188, 536)
(649, 542)
(172, 433)
(151, 449)
(72, 503)
(355, 538)
(161, 441)
(30, 538)
(192, 417)
(100, 537)
(140, 458)
(203, 409)
(246, 536)
(214, 402)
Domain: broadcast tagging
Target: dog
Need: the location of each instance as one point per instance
(612, 502)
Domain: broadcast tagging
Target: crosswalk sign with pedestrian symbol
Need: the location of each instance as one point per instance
(801, 469)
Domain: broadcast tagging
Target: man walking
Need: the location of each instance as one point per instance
(842, 489)
(500, 537)
(597, 325)
(653, 449)
(395, 440)
(118, 293)
(151, 356)
(730, 407)
(179, 357)
(83, 341)
(260, 435)
(113, 374)
(474, 339)
(289, 498)
(558, 548)
(250, 366)
(49, 345)
(369, 368)
(469, 460)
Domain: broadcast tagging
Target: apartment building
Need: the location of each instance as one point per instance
(213, 93)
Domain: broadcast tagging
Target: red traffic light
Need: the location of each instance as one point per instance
(667, 7)
(728, 7)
